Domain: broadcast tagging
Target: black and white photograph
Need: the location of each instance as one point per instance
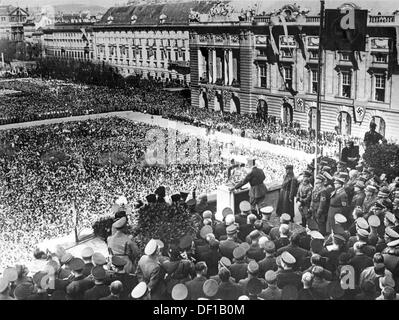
(178, 151)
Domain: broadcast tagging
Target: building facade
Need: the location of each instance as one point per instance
(148, 40)
(234, 68)
(12, 21)
(69, 41)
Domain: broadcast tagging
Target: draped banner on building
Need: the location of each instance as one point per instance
(359, 112)
(345, 29)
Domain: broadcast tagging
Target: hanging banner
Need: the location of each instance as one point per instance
(345, 29)
(299, 105)
(359, 112)
(273, 42)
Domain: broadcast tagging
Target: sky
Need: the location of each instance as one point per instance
(384, 4)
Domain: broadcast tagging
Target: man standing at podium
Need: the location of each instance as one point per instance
(255, 178)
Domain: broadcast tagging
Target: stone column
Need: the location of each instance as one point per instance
(231, 67)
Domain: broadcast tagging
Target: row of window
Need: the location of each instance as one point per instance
(177, 55)
(314, 55)
(344, 77)
(72, 54)
(148, 42)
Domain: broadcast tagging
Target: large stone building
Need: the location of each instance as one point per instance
(232, 68)
(12, 20)
(148, 40)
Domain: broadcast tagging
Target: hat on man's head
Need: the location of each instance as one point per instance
(390, 217)
(340, 218)
(320, 177)
(269, 246)
(210, 288)
(289, 166)
(270, 276)
(179, 292)
(231, 230)
(316, 235)
(326, 168)
(98, 259)
(371, 188)
(362, 223)
(253, 267)
(374, 221)
(139, 290)
(362, 233)
(339, 180)
(118, 261)
(239, 253)
(151, 247)
(245, 206)
(285, 217)
(205, 231)
(76, 264)
(254, 234)
(226, 211)
(225, 262)
(391, 233)
(327, 176)
(98, 273)
(267, 210)
(66, 258)
(87, 253)
(245, 246)
(393, 244)
(288, 258)
(151, 198)
(207, 214)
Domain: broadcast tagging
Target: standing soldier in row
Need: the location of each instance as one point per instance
(287, 193)
(338, 203)
(320, 203)
(121, 245)
(304, 196)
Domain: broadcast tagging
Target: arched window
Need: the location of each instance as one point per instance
(218, 102)
(380, 125)
(287, 113)
(235, 105)
(344, 123)
(262, 109)
(203, 100)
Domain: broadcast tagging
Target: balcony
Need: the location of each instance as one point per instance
(179, 64)
(315, 20)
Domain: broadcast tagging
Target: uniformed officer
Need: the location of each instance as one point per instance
(245, 210)
(150, 271)
(86, 254)
(226, 247)
(304, 197)
(338, 203)
(320, 203)
(252, 272)
(258, 190)
(100, 289)
(238, 269)
(287, 276)
(120, 244)
(77, 288)
(128, 281)
(275, 231)
(255, 252)
(220, 228)
(370, 198)
(266, 214)
(358, 197)
(391, 259)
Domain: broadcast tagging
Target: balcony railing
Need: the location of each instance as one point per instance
(180, 64)
(316, 19)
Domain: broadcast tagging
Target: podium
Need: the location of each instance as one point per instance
(231, 199)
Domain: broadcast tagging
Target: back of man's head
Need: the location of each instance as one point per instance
(224, 274)
(116, 287)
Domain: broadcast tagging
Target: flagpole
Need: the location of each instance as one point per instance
(318, 108)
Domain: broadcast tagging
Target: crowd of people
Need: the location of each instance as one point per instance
(47, 171)
(346, 248)
(43, 99)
